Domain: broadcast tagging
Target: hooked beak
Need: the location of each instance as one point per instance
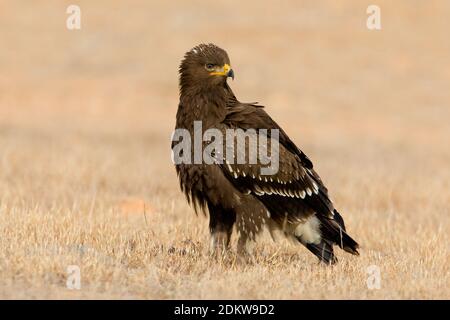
(224, 71)
(230, 74)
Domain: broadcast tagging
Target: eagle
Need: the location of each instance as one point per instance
(293, 201)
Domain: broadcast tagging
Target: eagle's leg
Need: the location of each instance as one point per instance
(221, 223)
(244, 248)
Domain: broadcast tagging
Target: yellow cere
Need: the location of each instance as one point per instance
(226, 67)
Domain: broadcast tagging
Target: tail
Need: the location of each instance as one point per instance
(334, 230)
(332, 233)
(323, 251)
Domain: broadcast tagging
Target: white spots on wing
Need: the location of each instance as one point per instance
(259, 191)
(235, 175)
(287, 191)
(316, 188)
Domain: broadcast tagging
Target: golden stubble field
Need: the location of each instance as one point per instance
(86, 117)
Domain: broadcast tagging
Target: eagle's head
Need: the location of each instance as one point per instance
(205, 65)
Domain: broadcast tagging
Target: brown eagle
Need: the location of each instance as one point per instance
(293, 201)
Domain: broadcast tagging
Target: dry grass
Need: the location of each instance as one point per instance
(85, 171)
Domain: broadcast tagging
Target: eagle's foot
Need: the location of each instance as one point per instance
(245, 250)
(244, 247)
(219, 243)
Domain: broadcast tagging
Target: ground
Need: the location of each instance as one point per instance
(86, 117)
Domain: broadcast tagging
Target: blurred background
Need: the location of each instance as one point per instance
(314, 61)
(88, 114)
(334, 85)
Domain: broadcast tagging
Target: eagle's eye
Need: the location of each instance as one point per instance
(209, 67)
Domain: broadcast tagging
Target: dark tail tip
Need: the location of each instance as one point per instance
(348, 244)
(342, 239)
(323, 251)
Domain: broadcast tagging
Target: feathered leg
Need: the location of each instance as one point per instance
(221, 223)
